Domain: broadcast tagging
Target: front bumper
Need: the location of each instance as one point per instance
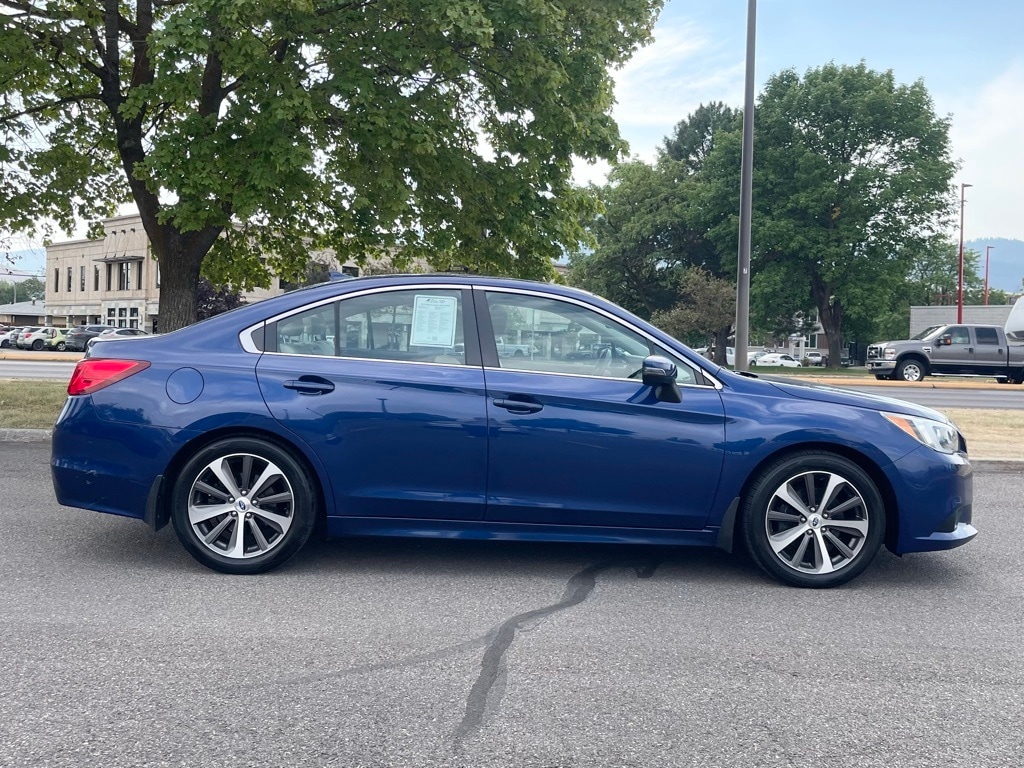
(935, 495)
(881, 366)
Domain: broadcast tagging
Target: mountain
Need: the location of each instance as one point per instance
(1006, 262)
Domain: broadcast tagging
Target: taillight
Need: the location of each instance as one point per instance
(93, 375)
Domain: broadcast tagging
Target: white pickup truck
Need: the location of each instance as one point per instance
(512, 350)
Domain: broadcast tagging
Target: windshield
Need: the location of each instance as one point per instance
(926, 332)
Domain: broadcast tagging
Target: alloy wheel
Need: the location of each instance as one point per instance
(241, 506)
(817, 522)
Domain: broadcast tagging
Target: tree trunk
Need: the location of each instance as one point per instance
(721, 342)
(830, 315)
(180, 258)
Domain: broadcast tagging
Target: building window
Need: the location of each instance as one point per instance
(71, 273)
(81, 281)
(110, 268)
(138, 276)
(56, 279)
(124, 276)
(96, 277)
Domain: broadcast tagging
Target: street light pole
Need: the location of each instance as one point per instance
(746, 200)
(960, 281)
(987, 249)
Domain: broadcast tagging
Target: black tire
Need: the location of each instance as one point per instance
(789, 536)
(37, 344)
(276, 521)
(61, 346)
(881, 377)
(4, 344)
(912, 370)
(518, 353)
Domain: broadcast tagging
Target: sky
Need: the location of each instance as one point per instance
(970, 56)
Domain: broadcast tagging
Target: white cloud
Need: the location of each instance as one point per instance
(665, 82)
(988, 137)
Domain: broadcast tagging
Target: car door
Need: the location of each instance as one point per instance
(578, 440)
(956, 356)
(988, 356)
(386, 387)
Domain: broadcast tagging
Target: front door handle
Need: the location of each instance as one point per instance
(518, 406)
(310, 385)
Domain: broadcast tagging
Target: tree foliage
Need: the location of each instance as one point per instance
(851, 170)
(24, 290)
(704, 305)
(249, 134)
(212, 300)
(652, 238)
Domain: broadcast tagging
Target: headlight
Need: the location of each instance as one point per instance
(889, 354)
(940, 435)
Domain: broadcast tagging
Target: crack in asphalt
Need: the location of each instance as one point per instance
(492, 668)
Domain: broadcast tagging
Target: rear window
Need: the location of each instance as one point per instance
(987, 335)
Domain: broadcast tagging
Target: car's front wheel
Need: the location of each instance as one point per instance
(910, 370)
(243, 505)
(813, 519)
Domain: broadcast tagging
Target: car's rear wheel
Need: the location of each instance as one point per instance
(813, 519)
(61, 346)
(37, 344)
(243, 505)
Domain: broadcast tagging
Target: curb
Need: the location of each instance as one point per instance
(25, 435)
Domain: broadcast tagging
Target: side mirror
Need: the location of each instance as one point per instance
(945, 341)
(660, 372)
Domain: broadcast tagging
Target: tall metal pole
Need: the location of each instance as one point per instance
(960, 280)
(746, 200)
(987, 249)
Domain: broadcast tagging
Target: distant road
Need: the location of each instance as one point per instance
(32, 369)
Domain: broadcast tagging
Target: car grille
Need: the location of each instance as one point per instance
(874, 352)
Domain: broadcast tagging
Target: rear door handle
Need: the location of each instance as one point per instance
(310, 385)
(518, 406)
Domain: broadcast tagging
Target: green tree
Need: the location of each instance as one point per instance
(634, 263)
(24, 290)
(652, 231)
(249, 134)
(211, 300)
(705, 304)
(850, 170)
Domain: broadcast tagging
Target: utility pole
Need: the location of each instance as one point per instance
(746, 200)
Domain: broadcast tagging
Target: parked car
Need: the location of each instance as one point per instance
(115, 333)
(244, 436)
(55, 338)
(814, 357)
(78, 337)
(777, 359)
(10, 338)
(23, 341)
(959, 350)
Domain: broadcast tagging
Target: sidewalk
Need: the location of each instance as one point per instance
(28, 355)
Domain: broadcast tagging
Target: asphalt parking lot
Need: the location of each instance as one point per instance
(121, 651)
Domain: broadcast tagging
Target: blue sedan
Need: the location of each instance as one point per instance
(381, 406)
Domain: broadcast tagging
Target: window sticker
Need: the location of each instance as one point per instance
(433, 321)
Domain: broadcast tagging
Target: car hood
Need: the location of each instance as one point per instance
(828, 394)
